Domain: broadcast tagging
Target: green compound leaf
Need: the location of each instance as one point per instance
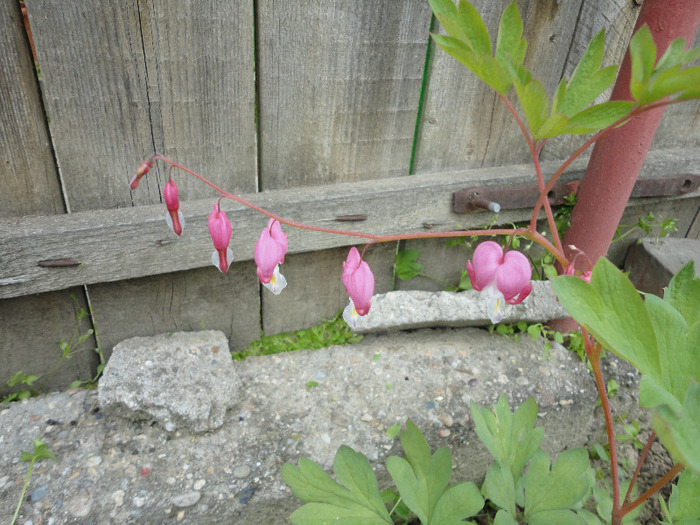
(551, 494)
(422, 480)
(509, 437)
(613, 312)
(683, 508)
(598, 117)
(474, 29)
(326, 501)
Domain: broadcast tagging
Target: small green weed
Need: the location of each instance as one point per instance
(41, 451)
(333, 331)
(650, 224)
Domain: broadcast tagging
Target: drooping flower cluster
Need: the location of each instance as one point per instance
(504, 277)
(359, 284)
(269, 254)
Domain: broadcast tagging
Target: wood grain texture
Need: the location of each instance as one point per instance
(308, 300)
(339, 88)
(31, 330)
(464, 123)
(129, 243)
(28, 177)
(182, 301)
(122, 78)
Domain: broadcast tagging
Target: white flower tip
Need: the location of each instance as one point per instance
(350, 315)
(215, 259)
(277, 283)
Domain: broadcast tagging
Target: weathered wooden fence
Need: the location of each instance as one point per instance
(315, 109)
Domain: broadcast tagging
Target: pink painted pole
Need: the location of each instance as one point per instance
(617, 158)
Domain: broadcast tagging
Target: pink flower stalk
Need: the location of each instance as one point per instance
(174, 218)
(220, 231)
(144, 168)
(586, 276)
(503, 277)
(359, 284)
(269, 254)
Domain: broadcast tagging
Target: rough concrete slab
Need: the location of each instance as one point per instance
(301, 404)
(402, 310)
(652, 262)
(182, 380)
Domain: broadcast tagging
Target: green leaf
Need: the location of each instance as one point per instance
(459, 501)
(598, 117)
(509, 437)
(504, 518)
(679, 431)
(613, 312)
(326, 501)
(509, 45)
(642, 55)
(421, 480)
(683, 502)
(556, 517)
(683, 293)
(474, 29)
(499, 487)
(564, 487)
(41, 451)
(535, 103)
(406, 266)
(604, 503)
(588, 80)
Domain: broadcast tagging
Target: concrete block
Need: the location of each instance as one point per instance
(652, 263)
(182, 380)
(402, 310)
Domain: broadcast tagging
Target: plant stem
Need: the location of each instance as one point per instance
(24, 490)
(672, 473)
(642, 458)
(593, 352)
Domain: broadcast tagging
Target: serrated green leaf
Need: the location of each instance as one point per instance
(588, 80)
(598, 117)
(683, 502)
(563, 487)
(499, 487)
(679, 431)
(326, 501)
(509, 46)
(613, 312)
(458, 502)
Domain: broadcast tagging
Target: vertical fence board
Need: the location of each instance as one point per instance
(31, 327)
(339, 89)
(174, 77)
(28, 178)
(181, 301)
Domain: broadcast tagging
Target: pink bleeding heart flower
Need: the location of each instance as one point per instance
(586, 276)
(220, 231)
(174, 218)
(505, 277)
(142, 170)
(359, 284)
(269, 254)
